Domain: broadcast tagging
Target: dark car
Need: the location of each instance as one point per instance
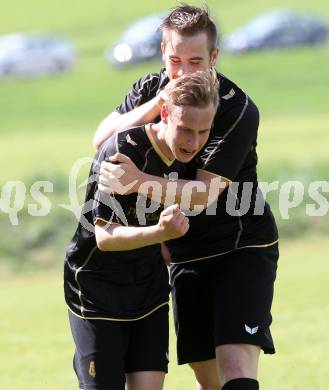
(277, 29)
(140, 42)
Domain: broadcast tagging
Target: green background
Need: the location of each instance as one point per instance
(47, 124)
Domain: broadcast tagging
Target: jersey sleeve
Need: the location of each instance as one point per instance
(105, 205)
(112, 208)
(228, 147)
(139, 94)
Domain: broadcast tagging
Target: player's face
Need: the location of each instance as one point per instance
(188, 130)
(186, 54)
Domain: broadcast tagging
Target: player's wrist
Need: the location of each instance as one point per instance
(162, 232)
(155, 234)
(161, 98)
(159, 102)
(141, 186)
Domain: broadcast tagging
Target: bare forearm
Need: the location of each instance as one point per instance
(145, 113)
(194, 194)
(123, 238)
(161, 190)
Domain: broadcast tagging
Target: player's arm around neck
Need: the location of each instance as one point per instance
(202, 192)
(114, 237)
(189, 194)
(146, 113)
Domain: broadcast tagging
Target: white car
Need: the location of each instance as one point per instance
(32, 54)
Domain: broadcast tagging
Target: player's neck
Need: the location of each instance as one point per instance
(158, 131)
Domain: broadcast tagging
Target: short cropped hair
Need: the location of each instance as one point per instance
(189, 20)
(199, 89)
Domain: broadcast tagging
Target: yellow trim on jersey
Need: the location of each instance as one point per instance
(215, 174)
(163, 157)
(225, 253)
(105, 221)
(120, 319)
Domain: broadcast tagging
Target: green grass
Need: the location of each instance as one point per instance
(283, 83)
(288, 82)
(36, 345)
(100, 17)
(47, 124)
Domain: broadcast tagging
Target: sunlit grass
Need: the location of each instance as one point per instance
(36, 345)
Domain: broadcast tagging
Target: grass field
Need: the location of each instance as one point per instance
(47, 124)
(36, 346)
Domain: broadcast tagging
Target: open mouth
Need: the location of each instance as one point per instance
(187, 152)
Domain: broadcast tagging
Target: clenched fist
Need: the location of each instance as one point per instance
(173, 223)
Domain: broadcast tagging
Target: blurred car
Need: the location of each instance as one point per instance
(140, 42)
(31, 54)
(276, 29)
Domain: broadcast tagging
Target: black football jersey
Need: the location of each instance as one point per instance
(240, 217)
(120, 285)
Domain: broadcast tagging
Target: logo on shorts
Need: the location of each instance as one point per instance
(251, 330)
(92, 370)
(167, 355)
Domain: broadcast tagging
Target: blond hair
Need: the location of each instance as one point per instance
(199, 89)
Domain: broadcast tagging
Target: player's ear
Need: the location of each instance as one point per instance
(164, 113)
(213, 56)
(163, 49)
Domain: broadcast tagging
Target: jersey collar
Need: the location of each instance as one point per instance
(163, 157)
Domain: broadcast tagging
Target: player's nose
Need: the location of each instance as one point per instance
(184, 69)
(193, 141)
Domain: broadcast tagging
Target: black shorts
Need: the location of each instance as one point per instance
(107, 350)
(224, 300)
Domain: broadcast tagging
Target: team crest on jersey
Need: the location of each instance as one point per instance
(130, 140)
(92, 370)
